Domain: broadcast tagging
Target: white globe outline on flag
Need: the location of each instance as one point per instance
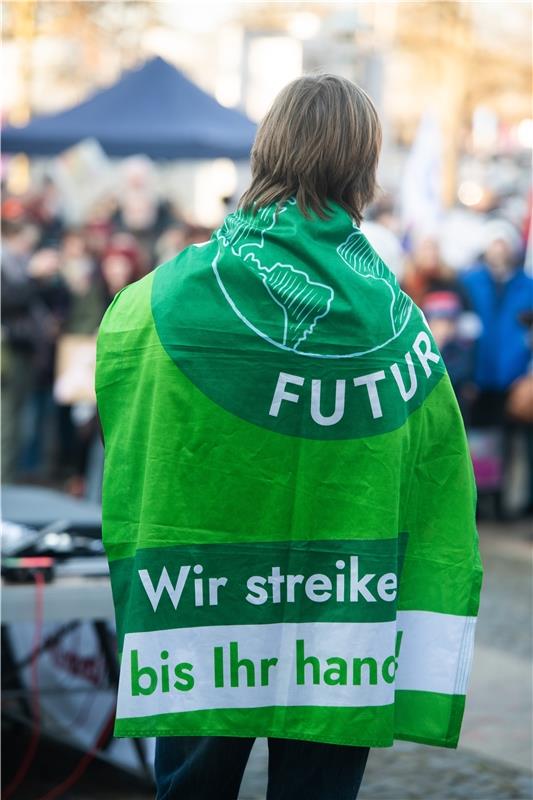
(348, 251)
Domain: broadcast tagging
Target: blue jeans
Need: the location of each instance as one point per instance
(211, 768)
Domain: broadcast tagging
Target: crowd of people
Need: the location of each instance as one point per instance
(481, 316)
(57, 282)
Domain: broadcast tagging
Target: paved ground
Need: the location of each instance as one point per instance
(409, 772)
(494, 761)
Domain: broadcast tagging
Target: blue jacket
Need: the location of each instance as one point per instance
(502, 352)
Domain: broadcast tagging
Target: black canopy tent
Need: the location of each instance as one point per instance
(155, 110)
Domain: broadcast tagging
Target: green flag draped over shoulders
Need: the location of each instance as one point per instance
(288, 505)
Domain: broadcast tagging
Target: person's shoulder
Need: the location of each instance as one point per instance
(127, 303)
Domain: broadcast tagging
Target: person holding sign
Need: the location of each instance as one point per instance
(288, 504)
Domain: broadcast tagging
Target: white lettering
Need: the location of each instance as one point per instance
(318, 588)
(387, 586)
(164, 585)
(318, 417)
(214, 585)
(357, 584)
(256, 594)
(292, 580)
(427, 354)
(405, 393)
(275, 580)
(281, 394)
(370, 382)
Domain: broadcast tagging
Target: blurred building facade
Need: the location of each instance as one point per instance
(455, 55)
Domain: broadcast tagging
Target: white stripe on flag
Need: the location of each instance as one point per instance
(436, 652)
(435, 656)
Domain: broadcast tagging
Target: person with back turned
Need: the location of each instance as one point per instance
(288, 505)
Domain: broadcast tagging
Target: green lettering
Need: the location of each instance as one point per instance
(372, 669)
(141, 672)
(302, 662)
(185, 680)
(336, 675)
(266, 664)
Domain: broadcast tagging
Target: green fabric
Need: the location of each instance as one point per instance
(287, 480)
(428, 717)
(247, 722)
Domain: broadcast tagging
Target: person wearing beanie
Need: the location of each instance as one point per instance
(455, 330)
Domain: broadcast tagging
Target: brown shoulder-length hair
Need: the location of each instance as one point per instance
(319, 142)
